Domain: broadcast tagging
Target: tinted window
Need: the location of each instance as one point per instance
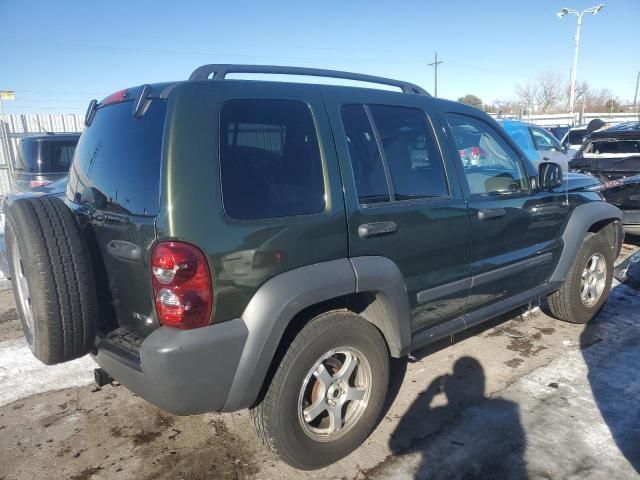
(490, 164)
(411, 159)
(414, 161)
(366, 161)
(269, 159)
(45, 156)
(117, 161)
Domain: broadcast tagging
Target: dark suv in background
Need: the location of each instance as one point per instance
(229, 244)
(613, 156)
(42, 159)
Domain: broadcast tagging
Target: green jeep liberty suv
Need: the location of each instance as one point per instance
(229, 244)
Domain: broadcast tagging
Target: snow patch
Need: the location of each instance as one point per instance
(22, 375)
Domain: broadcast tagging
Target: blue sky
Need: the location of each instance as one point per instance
(58, 55)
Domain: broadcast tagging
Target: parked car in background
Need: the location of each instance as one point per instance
(559, 131)
(539, 145)
(42, 159)
(613, 156)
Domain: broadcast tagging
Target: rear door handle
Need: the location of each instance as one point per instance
(373, 229)
(489, 213)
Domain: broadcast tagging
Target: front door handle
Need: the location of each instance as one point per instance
(489, 213)
(373, 229)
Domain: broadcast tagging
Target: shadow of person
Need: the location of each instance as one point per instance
(614, 376)
(469, 436)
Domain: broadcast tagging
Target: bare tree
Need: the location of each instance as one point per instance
(527, 95)
(597, 100)
(582, 91)
(549, 93)
(544, 94)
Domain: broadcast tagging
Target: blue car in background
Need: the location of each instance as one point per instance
(538, 144)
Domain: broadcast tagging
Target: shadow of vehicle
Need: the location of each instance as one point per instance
(615, 379)
(491, 445)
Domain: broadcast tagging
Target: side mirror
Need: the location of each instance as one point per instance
(549, 175)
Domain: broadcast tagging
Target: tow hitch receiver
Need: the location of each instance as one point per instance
(101, 377)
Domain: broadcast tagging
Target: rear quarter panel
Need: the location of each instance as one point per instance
(191, 201)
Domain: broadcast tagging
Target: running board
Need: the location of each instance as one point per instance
(483, 314)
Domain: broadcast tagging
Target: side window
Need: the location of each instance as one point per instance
(270, 164)
(543, 140)
(415, 163)
(366, 161)
(411, 167)
(491, 166)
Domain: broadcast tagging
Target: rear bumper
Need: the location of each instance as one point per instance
(184, 372)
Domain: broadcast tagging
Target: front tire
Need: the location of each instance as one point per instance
(327, 393)
(588, 283)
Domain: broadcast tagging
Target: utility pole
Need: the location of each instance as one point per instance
(635, 97)
(435, 64)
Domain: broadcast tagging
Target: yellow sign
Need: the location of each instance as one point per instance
(7, 95)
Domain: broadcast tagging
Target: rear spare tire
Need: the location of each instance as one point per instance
(52, 278)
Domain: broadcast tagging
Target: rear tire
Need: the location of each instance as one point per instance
(317, 370)
(588, 283)
(52, 279)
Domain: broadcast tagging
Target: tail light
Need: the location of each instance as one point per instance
(38, 183)
(181, 285)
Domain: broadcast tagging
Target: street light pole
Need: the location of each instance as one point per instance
(563, 12)
(572, 91)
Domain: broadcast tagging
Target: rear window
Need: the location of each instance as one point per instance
(45, 156)
(270, 160)
(117, 161)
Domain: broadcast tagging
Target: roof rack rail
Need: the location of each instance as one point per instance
(220, 71)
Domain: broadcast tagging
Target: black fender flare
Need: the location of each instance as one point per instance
(581, 220)
(281, 298)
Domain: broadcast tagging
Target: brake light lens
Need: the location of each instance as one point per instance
(116, 97)
(38, 183)
(181, 285)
